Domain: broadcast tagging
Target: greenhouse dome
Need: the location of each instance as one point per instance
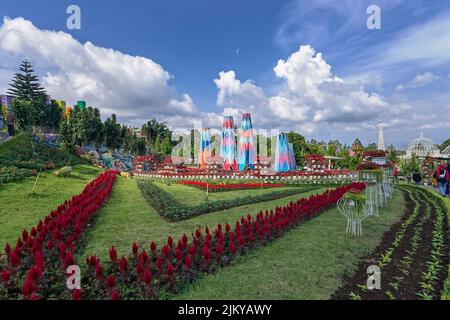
(422, 148)
(446, 151)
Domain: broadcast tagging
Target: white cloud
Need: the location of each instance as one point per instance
(310, 93)
(419, 80)
(131, 86)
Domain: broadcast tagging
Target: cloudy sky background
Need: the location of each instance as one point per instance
(312, 67)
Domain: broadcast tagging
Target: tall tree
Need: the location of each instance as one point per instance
(25, 85)
(112, 133)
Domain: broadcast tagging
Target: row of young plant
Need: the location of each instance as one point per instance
(446, 290)
(157, 272)
(171, 209)
(221, 187)
(34, 268)
(435, 265)
(425, 211)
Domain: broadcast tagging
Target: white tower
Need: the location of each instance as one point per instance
(381, 145)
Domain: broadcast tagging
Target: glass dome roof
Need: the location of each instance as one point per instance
(422, 148)
(446, 151)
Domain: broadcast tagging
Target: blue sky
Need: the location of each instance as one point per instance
(173, 52)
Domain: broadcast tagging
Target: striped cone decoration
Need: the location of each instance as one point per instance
(282, 159)
(293, 164)
(205, 147)
(228, 144)
(246, 148)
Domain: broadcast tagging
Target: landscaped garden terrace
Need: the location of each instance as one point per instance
(159, 239)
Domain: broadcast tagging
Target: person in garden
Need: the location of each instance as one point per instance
(443, 178)
(417, 178)
(448, 184)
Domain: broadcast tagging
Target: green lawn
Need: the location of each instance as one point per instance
(127, 217)
(191, 196)
(20, 209)
(307, 263)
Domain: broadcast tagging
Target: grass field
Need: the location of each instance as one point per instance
(191, 196)
(19, 208)
(128, 217)
(307, 263)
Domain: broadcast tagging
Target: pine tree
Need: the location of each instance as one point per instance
(25, 85)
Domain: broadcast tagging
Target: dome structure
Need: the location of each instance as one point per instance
(446, 151)
(422, 148)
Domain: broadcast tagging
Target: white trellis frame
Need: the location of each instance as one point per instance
(355, 215)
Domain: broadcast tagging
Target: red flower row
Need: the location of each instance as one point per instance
(42, 255)
(229, 186)
(143, 274)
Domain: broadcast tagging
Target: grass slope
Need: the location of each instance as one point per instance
(20, 209)
(307, 263)
(192, 196)
(127, 217)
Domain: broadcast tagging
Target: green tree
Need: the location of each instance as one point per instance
(22, 110)
(300, 146)
(445, 144)
(25, 85)
(112, 133)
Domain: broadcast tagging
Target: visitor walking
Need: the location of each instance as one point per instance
(417, 178)
(443, 178)
(448, 183)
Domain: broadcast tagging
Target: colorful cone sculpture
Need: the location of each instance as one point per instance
(282, 160)
(293, 162)
(205, 147)
(228, 144)
(246, 148)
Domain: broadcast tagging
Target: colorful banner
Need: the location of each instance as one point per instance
(246, 149)
(228, 144)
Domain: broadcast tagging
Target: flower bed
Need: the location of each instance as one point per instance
(172, 210)
(151, 274)
(10, 174)
(221, 187)
(35, 267)
(412, 256)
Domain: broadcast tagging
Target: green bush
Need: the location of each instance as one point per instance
(10, 174)
(172, 210)
(25, 154)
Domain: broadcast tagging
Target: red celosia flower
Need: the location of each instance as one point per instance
(227, 228)
(5, 276)
(27, 288)
(170, 242)
(76, 294)
(147, 276)
(184, 238)
(188, 261)
(69, 259)
(139, 268)
(50, 245)
(144, 256)
(123, 264)
(113, 254)
(98, 271)
(135, 248)
(192, 249)
(206, 253)
(232, 248)
(24, 235)
(219, 250)
(159, 263)
(153, 247)
(198, 233)
(111, 281)
(178, 254)
(14, 259)
(115, 295)
(170, 269)
(7, 249)
(165, 250)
